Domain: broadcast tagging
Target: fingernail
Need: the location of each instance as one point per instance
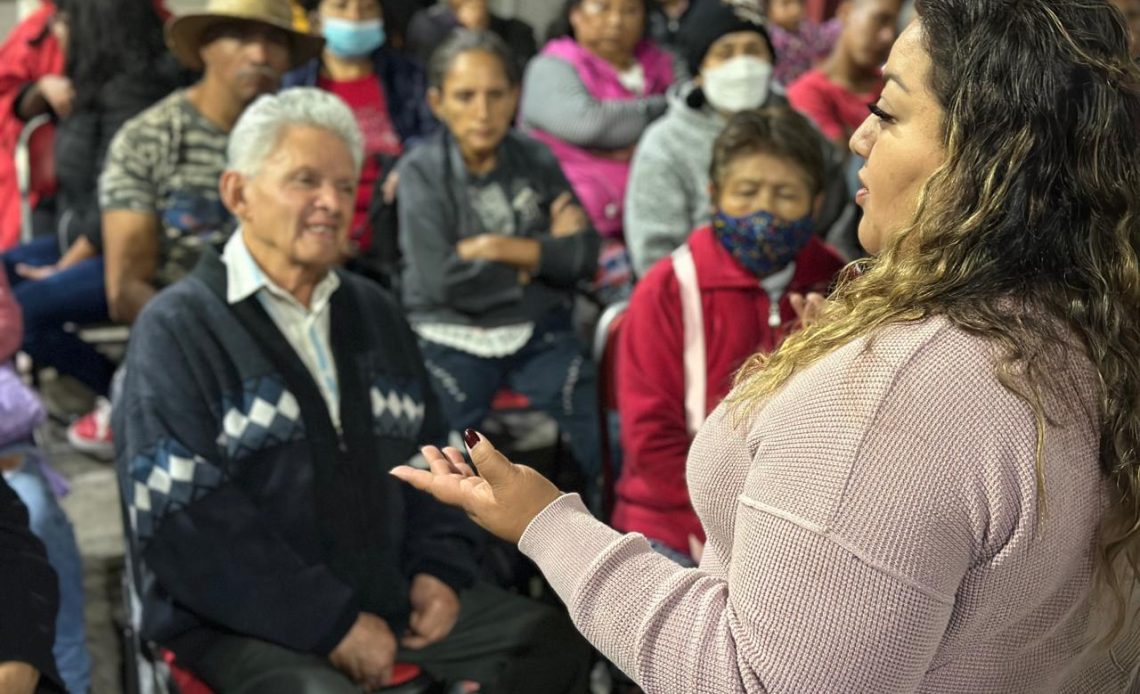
(471, 438)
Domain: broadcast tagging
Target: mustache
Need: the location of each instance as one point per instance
(259, 71)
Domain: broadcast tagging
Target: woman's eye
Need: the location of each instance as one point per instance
(879, 113)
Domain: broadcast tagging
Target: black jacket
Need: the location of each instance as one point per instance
(29, 593)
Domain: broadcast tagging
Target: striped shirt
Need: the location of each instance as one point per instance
(167, 161)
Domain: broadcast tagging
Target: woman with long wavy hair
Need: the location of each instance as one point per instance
(935, 487)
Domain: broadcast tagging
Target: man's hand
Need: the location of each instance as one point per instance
(367, 652)
(18, 678)
(566, 217)
(435, 608)
(58, 93)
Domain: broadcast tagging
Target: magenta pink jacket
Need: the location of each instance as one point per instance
(600, 181)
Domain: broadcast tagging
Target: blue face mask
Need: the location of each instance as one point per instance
(349, 39)
(761, 243)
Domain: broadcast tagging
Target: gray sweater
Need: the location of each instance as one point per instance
(668, 193)
(439, 204)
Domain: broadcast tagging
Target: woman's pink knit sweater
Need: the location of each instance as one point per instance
(875, 527)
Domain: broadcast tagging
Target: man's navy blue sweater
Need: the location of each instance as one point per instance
(249, 512)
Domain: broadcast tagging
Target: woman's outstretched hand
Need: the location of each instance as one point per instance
(503, 497)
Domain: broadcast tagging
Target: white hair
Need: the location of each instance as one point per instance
(260, 128)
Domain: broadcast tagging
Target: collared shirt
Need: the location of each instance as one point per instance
(306, 329)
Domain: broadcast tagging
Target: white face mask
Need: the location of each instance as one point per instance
(738, 84)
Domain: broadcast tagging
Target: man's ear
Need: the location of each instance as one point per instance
(514, 94)
(232, 188)
(434, 99)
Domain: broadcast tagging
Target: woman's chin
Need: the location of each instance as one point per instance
(869, 237)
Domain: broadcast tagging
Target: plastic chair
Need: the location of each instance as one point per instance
(605, 357)
(35, 168)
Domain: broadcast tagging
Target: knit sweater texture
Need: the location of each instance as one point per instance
(875, 526)
(248, 511)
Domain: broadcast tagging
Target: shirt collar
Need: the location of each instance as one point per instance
(244, 277)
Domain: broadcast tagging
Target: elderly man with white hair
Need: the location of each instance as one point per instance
(267, 397)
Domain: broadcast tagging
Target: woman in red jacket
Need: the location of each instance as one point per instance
(737, 286)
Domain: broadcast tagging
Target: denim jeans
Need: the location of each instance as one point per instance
(550, 370)
(75, 295)
(50, 524)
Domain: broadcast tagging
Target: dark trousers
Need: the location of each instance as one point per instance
(550, 370)
(75, 295)
(504, 642)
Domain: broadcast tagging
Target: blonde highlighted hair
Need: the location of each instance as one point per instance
(1028, 234)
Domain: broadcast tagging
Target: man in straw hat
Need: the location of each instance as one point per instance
(159, 188)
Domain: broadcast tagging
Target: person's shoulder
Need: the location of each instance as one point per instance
(427, 156)
(812, 80)
(677, 129)
(820, 258)
(161, 112)
(531, 148)
(175, 310)
(397, 63)
(369, 293)
(152, 122)
(661, 278)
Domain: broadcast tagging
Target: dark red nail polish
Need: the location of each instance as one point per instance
(471, 438)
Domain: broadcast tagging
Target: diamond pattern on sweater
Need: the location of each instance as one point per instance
(266, 415)
(167, 479)
(397, 408)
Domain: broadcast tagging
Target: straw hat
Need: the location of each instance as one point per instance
(184, 33)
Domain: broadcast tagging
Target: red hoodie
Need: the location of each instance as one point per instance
(652, 497)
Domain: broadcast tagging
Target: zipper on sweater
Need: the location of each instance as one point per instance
(773, 307)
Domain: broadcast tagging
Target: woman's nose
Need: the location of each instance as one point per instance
(862, 140)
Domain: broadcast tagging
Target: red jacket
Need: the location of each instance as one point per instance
(837, 112)
(652, 497)
(29, 53)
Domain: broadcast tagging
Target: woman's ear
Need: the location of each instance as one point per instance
(817, 206)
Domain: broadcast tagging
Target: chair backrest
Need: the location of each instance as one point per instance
(35, 168)
(605, 357)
